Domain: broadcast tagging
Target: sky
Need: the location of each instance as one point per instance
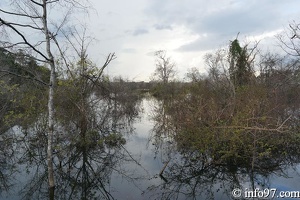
(185, 29)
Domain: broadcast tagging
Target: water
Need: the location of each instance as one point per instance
(133, 173)
(144, 152)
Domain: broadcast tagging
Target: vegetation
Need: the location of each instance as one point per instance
(231, 125)
(230, 109)
(92, 116)
(241, 117)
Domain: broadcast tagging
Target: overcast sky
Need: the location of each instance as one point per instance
(186, 29)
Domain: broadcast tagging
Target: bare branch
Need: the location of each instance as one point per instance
(25, 25)
(63, 56)
(109, 58)
(24, 39)
(8, 45)
(289, 40)
(63, 22)
(25, 77)
(284, 122)
(36, 3)
(294, 29)
(21, 15)
(254, 128)
(54, 1)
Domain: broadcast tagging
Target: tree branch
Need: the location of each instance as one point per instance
(24, 39)
(254, 128)
(63, 56)
(19, 14)
(24, 25)
(54, 1)
(109, 58)
(25, 77)
(36, 3)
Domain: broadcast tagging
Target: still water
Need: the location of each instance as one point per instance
(133, 172)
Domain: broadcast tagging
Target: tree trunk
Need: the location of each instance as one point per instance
(50, 103)
(50, 132)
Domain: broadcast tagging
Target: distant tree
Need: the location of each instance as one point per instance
(194, 75)
(165, 68)
(241, 63)
(218, 68)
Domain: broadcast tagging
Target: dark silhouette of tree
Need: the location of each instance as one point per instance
(241, 64)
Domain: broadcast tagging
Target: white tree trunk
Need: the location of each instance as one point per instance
(50, 101)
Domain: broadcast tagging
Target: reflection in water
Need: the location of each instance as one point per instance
(7, 166)
(214, 171)
(102, 166)
(88, 147)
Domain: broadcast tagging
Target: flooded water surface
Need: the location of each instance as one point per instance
(139, 159)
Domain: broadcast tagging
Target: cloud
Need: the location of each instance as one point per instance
(221, 20)
(129, 50)
(250, 18)
(163, 27)
(140, 31)
(205, 43)
(186, 29)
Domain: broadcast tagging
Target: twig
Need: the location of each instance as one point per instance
(164, 167)
(26, 77)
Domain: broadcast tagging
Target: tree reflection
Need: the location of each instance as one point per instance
(215, 162)
(192, 177)
(88, 146)
(7, 163)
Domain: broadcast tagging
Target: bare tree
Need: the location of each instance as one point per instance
(289, 40)
(30, 28)
(165, 68)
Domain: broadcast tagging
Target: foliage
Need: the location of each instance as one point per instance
(223, 138)
(91, 119)
(228, 117)
(240, 69)
(22, 98)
